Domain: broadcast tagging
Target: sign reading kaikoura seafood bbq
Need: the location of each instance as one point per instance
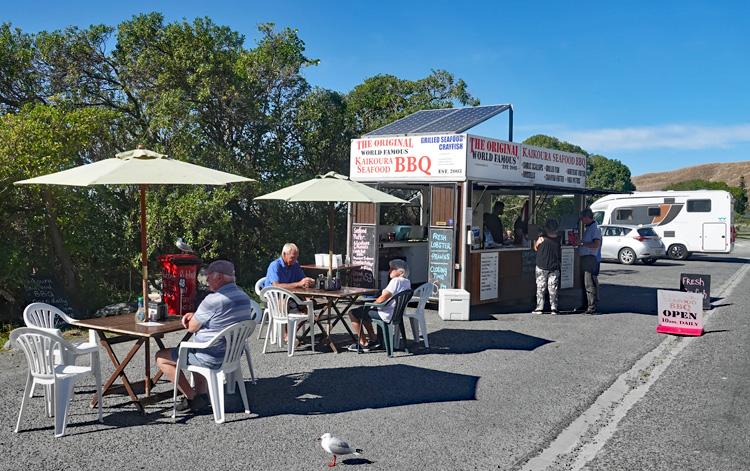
(458, 157)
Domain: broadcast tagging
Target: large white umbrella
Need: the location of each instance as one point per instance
(140, 167)
(331, 187)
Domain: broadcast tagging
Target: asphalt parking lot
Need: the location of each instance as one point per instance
(490, 394)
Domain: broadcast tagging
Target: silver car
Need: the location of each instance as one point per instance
(628, 244)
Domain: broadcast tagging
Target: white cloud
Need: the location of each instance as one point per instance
(673, 136)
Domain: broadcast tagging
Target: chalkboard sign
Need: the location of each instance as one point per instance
(363, 253)
(42, 289)
(441, 256)
(693, 283)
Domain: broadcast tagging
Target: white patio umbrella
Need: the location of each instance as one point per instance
(140, 167)
(331, 188)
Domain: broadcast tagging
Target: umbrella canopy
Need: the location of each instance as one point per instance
(332, 188)
(141, 167)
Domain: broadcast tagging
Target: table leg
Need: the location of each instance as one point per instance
(147, 359)
(119, 370)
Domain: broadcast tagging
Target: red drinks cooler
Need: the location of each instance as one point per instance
(174, 268)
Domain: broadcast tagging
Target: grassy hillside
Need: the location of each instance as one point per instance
(721, 172)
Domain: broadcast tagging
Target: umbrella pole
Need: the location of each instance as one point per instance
(144, 259)
(331, 219)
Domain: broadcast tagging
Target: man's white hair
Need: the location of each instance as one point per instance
(400, 266)
(288, 248)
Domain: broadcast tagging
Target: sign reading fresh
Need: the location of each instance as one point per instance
(680, 312)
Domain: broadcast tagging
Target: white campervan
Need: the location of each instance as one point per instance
(687, 221)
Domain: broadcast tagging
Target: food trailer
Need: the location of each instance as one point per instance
(451, 180)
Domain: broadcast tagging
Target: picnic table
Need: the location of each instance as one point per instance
(337, 304)
(123, 328)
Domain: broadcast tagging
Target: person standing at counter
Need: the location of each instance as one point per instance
(548, 256)
(590, 251)
(493, 227)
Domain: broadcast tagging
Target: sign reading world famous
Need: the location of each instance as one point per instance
(409, 158)
(679, 312)
(495, 160)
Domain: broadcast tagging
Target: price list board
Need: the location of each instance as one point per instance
(441, 256)
(363, 253)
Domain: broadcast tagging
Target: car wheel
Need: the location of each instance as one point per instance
(649, 261)
(627, 256)
(677, 252)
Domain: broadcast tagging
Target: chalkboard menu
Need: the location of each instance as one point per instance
(363, 253)
(693, 283)
(441, 256)
(567, 262)
(41, 289)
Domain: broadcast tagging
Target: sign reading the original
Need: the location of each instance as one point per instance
(488, 284)
(566, 267)
(363, 253)
(441, 256)
(495, 160)
(693, 283)
(409, 158)
(679, 312)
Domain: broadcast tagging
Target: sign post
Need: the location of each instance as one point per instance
(680, 312)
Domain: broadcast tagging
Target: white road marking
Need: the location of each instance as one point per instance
(580, 442)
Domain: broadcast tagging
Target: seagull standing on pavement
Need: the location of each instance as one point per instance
(336, 447)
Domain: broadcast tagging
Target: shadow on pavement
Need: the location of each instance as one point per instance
(458, 341)
(334, 390)
(714, 258)
(616, 299)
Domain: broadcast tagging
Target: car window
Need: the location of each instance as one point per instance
(599, 217)
(606, 231)
(646, 232)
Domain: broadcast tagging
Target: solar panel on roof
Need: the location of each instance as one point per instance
(410, 123)
(462, 119)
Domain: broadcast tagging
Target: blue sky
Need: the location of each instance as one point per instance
(657, 85)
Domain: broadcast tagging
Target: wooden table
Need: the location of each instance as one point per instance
(347, 295)
(127, 330)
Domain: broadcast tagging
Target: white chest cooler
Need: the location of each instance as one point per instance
(453, 304)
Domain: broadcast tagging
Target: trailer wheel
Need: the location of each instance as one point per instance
(649, 261)
(677, 252)
(627, 256)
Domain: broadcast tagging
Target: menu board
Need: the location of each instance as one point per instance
(567, 267)
(363, 253)
(41, 289)
(488, 282)
(441, 256)
(694, 283)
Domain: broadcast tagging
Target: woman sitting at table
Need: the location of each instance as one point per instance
(362, 315)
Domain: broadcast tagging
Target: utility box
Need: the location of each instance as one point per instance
(453, 304)
(179, 282)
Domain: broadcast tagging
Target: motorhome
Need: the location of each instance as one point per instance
(687, 221)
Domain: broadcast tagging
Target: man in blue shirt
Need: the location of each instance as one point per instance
(590, 251)
(285, 272)
(225, 306)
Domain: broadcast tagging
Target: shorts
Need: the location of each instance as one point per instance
(363, 313)
(192, 359)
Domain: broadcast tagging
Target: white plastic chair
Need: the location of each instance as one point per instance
(39, 346)
(255, 313)
(266, 317)
(277, 303)
(45, 316)
(416, 317)
(235, 338)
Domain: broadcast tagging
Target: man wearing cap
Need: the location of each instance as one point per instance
(225, 306)
(398, 274)
(590, 251)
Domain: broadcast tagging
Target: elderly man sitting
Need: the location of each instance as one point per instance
(286, 272)
(362, 315)
(225, 306)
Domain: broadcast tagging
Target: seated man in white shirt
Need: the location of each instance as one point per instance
(362, 315)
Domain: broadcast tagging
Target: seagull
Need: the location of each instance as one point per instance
(182, 245)
(336, 447)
